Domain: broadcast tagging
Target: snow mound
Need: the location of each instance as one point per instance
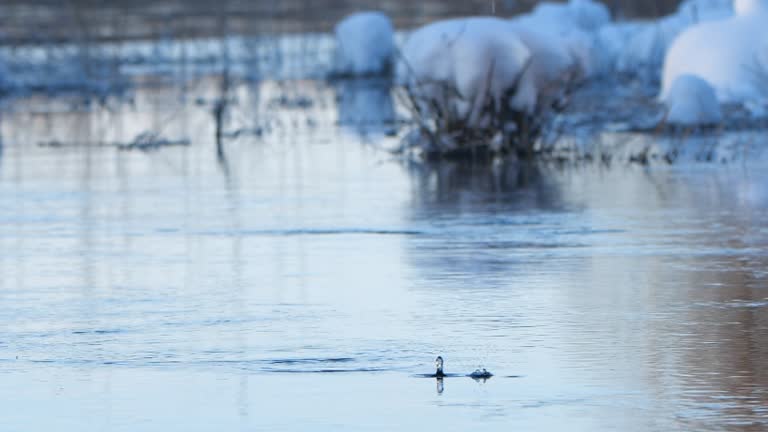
(364, 44)
(638, 47)
(463, 67)
(692, 101)
(750, 7)
(731, 54)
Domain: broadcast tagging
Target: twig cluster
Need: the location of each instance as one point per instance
(488, 127)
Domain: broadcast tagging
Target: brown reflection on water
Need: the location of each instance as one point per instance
(727, 331)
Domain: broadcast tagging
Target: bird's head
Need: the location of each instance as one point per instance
(439, 364)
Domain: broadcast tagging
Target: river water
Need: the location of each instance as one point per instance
(304, 279)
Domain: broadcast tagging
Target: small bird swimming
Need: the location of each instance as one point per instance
(439, 367)
(478, 374)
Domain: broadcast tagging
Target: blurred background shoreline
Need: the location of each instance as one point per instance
(23, 22)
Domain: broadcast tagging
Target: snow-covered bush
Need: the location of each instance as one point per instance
(463, 77)
(731, 54)
(553, 69)
(364, 44)
(691, 101)
(490, 82)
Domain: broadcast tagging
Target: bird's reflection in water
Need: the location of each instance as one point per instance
(440, 382)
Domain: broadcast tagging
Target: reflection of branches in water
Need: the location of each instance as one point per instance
(145, 141)
(221, 159)
(514, 185)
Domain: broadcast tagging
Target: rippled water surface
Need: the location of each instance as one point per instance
(302, 281)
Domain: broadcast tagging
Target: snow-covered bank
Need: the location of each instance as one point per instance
(485, 82)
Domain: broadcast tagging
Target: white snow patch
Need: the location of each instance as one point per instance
(692, 101)
(638, 47)
(749, 7)
(364, 44)
(731, 54)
